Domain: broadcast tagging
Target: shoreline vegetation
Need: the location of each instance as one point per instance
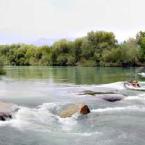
(98, 48)
(2, 71)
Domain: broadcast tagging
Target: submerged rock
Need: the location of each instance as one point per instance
(108, 96)
(5, 116)
(93, 93)
(7, 110)
(68, 111)
(113, 97)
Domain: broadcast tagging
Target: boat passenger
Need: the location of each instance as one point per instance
(135, 83)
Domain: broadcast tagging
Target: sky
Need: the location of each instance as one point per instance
(23, 21)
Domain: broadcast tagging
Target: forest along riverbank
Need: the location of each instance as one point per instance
(98, 48)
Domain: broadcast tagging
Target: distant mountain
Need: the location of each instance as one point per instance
(43, 41)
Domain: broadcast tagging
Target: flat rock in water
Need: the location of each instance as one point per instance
(108, 96)
(7, 110)
(68, 111)
(93, 93)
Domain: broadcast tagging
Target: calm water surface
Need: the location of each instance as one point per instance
(40, 92)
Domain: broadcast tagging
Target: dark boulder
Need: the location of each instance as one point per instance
(84, 109)
(5, 116)
(112, 99)
(7, 110)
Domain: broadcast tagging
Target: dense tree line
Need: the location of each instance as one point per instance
(2, 71)
(96, 49)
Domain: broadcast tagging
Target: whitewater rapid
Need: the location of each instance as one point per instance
(45, 117)
(37, 120)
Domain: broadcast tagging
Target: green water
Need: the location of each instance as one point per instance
(76, 75)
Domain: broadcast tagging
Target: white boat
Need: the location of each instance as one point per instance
(129, 86)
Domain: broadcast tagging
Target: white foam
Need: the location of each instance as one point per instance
(140, 96)
(40, 117)
(87, 133)
(32, 117)
(142, 74)
(47, 106)
(135, 98)
(69, 122)
(118, 109)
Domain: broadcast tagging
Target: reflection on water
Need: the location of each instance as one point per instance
(76, 75)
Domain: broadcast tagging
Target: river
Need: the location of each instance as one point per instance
(41, 91)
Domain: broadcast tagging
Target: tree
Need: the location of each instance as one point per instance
(140, 37)
(126, 54)
(95, 43)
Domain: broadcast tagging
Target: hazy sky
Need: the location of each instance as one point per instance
(29, 20)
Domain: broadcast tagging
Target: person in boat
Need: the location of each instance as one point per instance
(134, 83)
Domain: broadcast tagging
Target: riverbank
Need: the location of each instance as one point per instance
(96, 49)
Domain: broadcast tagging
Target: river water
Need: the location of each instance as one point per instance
(40, 92)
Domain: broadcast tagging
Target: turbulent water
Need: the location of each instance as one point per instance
(41, 92)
